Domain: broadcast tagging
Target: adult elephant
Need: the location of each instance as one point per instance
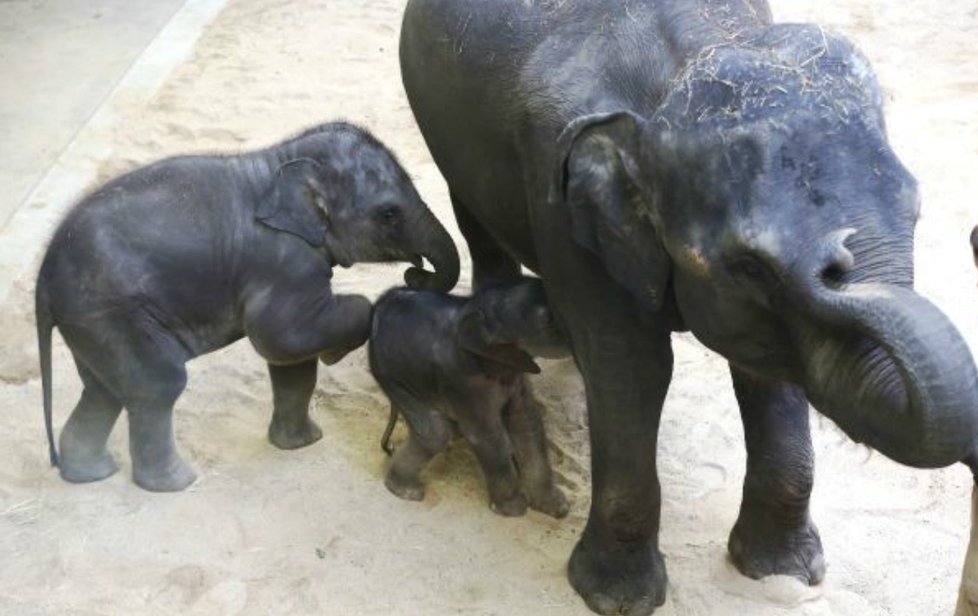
(687, 164)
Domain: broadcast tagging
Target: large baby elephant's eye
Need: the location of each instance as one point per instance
(389, 215)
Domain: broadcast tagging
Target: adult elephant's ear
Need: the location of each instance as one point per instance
(496, 357)
(599, 179)
(296, 202)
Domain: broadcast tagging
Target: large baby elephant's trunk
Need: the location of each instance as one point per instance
(434, 243)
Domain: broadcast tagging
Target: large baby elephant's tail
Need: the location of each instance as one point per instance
(385, 440)
(45, 324)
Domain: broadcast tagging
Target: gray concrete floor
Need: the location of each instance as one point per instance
(59, 60)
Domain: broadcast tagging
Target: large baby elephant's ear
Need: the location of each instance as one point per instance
(474, 337)
(295, 203)
(600, 179)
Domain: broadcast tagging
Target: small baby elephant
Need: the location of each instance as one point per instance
(442, 358)
(189, 254)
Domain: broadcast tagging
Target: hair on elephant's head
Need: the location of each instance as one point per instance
(506, 325)
(764, 202)
(340, 189)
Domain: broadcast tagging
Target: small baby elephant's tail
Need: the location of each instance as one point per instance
(45, 324)
(385, 441)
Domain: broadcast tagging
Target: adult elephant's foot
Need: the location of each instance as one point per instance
(293, 434)
(759, 548)
(78, 466)
(629, 582)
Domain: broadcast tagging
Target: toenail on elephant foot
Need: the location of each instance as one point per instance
(618, 582)
(289, 435)
(173, 477)
(511, 507)
(402, 488)
(84, 469)
(796, 552)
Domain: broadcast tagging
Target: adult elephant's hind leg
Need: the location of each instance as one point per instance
(774, 533)
(292, 387)
(616, 566)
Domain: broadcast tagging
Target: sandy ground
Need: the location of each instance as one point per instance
(315, 531)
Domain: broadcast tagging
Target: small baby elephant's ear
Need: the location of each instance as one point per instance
(474, 337)
(295, 203)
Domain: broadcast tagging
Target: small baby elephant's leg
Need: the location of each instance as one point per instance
(525, 426)
(428, 434)
(292, 388)
(480, 419)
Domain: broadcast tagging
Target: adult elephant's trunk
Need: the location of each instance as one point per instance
(432, 242)
(889, 368)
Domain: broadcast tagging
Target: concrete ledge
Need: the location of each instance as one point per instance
(24, 237)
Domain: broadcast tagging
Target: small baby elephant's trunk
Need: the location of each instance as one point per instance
(968, 593)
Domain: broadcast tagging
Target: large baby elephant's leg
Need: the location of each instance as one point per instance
(428, 434)
(83, 455)
(143, 368)
(156, 465)
(525, 427)
(292, 388)
(288, 332)
(479, 418)
(774, 533)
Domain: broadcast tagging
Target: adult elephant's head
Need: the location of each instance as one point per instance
(764, 202)
(340, 189)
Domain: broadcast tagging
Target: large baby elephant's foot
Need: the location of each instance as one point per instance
(511, 507)
(292, 387)
(760, 546)
(172, 476)
(408, 488)
(156, 465)
(620, 581)
(83, 456)
(293, 433)
(550, 501)
(80, 466)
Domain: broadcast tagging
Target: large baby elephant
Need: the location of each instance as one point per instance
(440, 358)
(189, 254)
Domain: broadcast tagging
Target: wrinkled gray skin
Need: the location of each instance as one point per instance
(686, 164)
(189, 254)
(445, 360)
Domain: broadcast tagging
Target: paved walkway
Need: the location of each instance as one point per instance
(59, 60)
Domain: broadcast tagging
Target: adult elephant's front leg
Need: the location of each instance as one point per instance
(774, 533)
(627, 365)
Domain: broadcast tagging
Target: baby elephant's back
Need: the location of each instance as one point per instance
(413, 334)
